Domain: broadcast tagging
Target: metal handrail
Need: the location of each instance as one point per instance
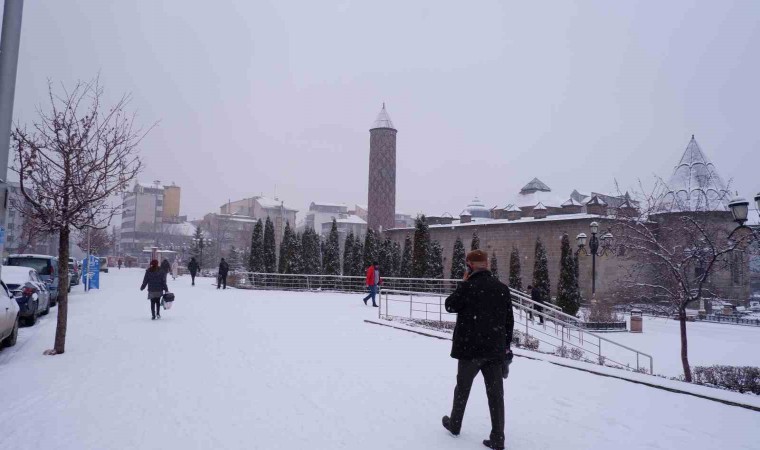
(560, 326)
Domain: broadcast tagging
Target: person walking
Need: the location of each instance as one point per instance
(166, 267)
(155, 281)
(193, 267)
(119, 263)
(373, 282)
(536, 296)
(481, 342)
(224, 269)
(175, 269)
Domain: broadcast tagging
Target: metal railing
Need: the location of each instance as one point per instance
(336, 283)
(565, 338)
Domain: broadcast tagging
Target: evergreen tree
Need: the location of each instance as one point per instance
(541, 272)
(421, 248)
(405, 269)
(371, 248)
(270, 248)
(310, 247)
(458, 266)
(331, 254)
(195, 251)
(494, 266)
(357, 263)
(396, 258)
(568, 297)
(515, 278)
(295, 254)
(435, 263)
(256, 257)
(348, 254)
(385, 257)
(285, 251)
(475, 245)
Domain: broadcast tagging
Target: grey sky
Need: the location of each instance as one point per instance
(485, 95)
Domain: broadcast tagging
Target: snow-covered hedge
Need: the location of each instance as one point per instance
(735, 378)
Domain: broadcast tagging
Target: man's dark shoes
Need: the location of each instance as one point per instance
(446, 421)
(375, 305)
(365, 301)
(490, 444)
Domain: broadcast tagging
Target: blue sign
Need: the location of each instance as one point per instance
(91, 271)
(2, 235)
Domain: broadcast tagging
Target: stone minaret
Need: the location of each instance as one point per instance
(381, 202)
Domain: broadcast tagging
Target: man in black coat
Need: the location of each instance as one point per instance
(193, 267)
(482, 338)
(166, 267)
(224, 269)
(535, 295)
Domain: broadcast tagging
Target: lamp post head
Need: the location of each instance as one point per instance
(739, 209)
(757, 202)
(581, 239)
(594, 227)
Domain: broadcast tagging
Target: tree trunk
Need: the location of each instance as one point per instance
(684, 345)
(63, 291)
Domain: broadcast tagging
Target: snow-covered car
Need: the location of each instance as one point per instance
(46, 267)
(30, 292)
(73, 274)
(104, 264)
(9, 318)
(754, 305)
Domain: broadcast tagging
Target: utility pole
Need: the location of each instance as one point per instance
(9, 44)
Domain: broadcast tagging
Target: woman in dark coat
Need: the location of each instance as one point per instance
(193, 268)
(155, 280)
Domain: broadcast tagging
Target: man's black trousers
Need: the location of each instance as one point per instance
(222, 281)
(492, 374)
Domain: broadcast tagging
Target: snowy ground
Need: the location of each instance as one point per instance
(276, 370)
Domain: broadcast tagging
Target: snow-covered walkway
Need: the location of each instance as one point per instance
(276, 370)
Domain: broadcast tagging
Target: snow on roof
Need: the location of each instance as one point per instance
(149, 185)
(337, 205)
(540, 206)
(695, 184)
(271, 203)
(572, 202)
(352, 218)
(383, 120)
(513, 208)
(535, 185)
(596, 200)
(30, 255)
(556, 218)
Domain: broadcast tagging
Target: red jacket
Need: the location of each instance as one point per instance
(371, 276)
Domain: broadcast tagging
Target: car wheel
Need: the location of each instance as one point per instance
(47, 310)
(10, 341)
(31, 321)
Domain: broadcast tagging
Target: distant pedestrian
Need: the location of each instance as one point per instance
(193, 267)
(373, 282)
(175, 269)
(481, 341)
(155, 281)
(536, 296)
(166, 267)
(224, 269)
(119, 263)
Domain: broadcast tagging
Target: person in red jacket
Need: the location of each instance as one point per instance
(373, 281)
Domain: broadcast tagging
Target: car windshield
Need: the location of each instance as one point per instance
(42, 266)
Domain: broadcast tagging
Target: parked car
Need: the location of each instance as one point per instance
(754, 305)
(29, 290)
(46, 267)
(9, 318)
(73, 273)
(103, 264)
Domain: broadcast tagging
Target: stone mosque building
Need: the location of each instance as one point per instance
(537, 211)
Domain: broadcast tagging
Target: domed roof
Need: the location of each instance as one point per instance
(476, 208)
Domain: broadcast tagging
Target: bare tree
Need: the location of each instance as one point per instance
(676, 247)
(95, 240)
(76, 157)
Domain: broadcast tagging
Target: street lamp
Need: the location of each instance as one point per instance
(606, 244)
(740, 209)
(757, 202)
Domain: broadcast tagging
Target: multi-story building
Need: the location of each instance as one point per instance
(260, 207)
(320, 213)
(171, 204)
(20, 235)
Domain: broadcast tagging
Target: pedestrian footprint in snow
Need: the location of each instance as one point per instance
(481, 341)
(155, 281)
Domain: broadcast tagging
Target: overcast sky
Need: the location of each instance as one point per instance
(254, 96)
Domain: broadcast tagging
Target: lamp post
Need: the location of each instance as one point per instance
(598, 246)
(156, 184)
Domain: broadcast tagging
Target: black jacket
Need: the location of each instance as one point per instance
(535, 295)
(193, 266)
(224, 268)
(165, 266)
(155, 280)
(485, 321)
